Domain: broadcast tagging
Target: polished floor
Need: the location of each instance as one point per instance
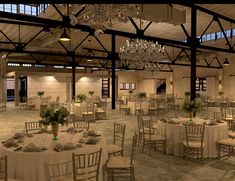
(158, 167)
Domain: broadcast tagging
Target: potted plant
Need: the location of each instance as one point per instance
(40, 93)
(81, 97)
(54, 117)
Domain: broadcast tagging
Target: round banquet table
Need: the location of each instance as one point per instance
(78, 109)
(30, 166)
(175, 134)
(131, 105)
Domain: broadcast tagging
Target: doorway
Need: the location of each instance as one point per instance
(10, 89)
(161, 86)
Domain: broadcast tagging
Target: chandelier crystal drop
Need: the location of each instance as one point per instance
(102, 16)
(141, 53)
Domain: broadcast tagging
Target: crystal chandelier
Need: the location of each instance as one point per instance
(141, 53)
(101, 16)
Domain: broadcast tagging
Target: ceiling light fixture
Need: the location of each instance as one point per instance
(226, 62)
(64, 36)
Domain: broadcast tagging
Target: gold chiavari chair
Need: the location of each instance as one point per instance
(59, 171)
(86, 167)
(81, 125)
(151, 139)
(194, 143)
(32, 126)
(118, 140)
(4, 170)
(89, 114)
(122, 167)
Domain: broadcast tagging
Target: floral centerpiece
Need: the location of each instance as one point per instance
(81, 97)
(91, 93)
(40, 93)
(142, 95)
(191, 107)
(54, 117)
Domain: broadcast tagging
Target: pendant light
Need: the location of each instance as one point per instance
(64, 36)
(226, 62)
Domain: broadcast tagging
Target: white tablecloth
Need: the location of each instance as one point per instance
(132, 104)
(78, 109)
(175, 134)
(30, 166)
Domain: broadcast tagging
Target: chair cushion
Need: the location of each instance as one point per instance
(119, 162)
(193, 144)
(228, 141)
(228, 118)
(231, 135)
(113, 148)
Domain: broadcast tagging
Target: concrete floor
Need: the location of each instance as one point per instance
(158, 167)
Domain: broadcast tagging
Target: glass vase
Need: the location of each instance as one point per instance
(55, 131)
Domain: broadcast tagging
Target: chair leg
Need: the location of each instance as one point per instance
(133, 174)
(150, 147)
(143, 146)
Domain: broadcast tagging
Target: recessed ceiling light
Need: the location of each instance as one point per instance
(89, 60)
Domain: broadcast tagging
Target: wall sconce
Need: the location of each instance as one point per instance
(220, 82)
(171, 83)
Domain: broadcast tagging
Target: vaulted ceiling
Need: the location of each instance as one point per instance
(47, 41)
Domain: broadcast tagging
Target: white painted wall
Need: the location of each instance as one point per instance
(51, 85)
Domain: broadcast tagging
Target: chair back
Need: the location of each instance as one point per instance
(32, 126)
(133, 148)
(146, 125)
(218, 115)
(81, 125)
(119, 134)
(90, 108)
(194, 132)
(58, 171)
(86, 166)
(232, 125)
(3, 168)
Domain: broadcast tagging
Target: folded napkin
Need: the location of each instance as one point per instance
(163, 120)
(31, 147)
(92, 140)
(67, 146)
(10, 143)
(18, 135)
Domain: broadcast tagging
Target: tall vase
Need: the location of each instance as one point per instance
(55, 131)
(190, 116)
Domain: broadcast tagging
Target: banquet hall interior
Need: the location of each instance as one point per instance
(140, 92)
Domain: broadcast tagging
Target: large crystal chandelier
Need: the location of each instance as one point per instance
(101, 16)
(139, 53)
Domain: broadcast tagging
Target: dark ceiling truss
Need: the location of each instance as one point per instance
(37, 60)
(209, 62)
(11, 42)
(216, 17)
(55, 23)
(42, 22)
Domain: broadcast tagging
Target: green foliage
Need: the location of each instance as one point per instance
(91, 93)
(81, 97)
(187, 93)
(53, 116)
(142, 94)
(40, 93)
(221, 93)
(192, 106)
(130, 91)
